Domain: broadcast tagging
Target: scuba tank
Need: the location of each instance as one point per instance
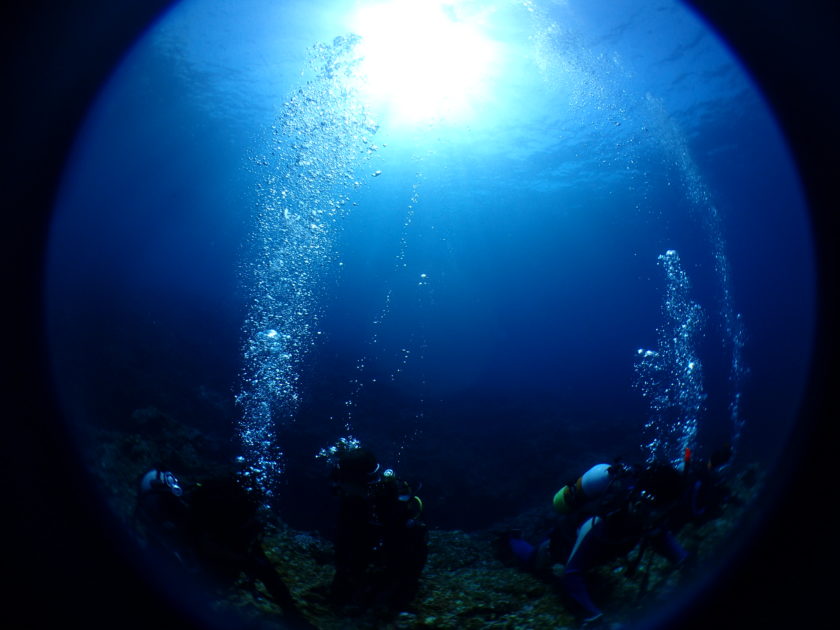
(590, 485)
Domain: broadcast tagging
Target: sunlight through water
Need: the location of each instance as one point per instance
(423, 61)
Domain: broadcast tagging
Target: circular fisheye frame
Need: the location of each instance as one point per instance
(559, 269)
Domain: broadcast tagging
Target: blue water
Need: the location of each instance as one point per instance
(474, 311)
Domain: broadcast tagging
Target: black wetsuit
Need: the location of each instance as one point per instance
(215, 533)
(381, 545)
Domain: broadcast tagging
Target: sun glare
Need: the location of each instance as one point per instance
(423, 60)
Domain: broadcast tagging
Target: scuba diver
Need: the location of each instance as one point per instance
(381, 544)
(163, 515)
(611, 509)
(212, 530)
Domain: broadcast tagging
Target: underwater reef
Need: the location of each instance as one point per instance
(466, 582)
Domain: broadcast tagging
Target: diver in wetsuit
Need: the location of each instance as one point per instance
(381, 544)
(212, 530)
(612, 508)
(163, 515)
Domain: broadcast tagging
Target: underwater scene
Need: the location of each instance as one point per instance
(431, 314)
